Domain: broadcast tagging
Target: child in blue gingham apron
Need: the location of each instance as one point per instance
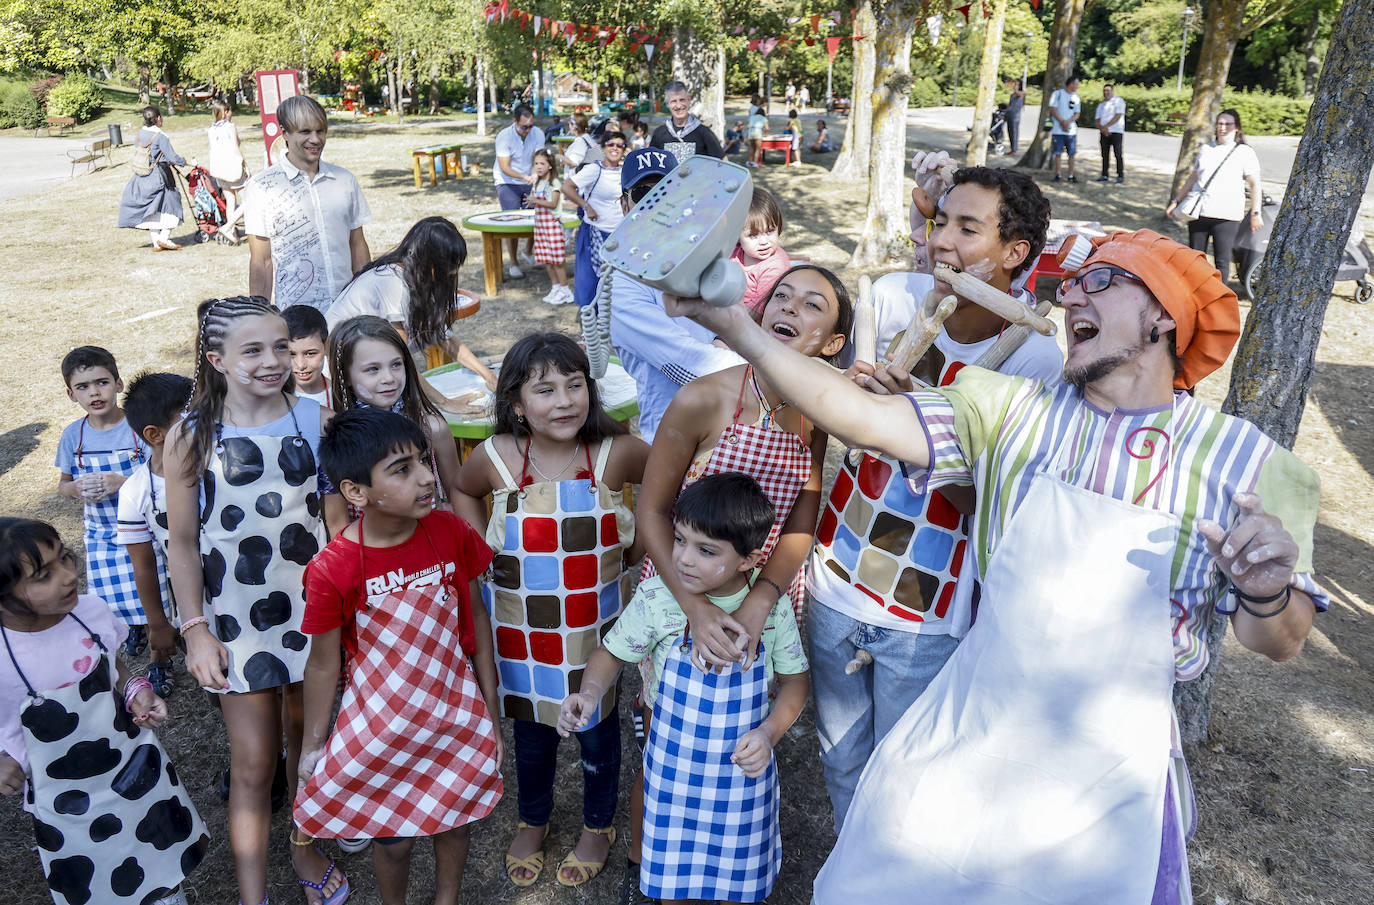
(95, 455)
(710, 780)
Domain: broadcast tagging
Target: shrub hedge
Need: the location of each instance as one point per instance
(77, 96)
(1261, 113)
(18, 107)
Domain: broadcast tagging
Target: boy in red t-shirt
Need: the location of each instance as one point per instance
(414, 751)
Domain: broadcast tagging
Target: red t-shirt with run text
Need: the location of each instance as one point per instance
(340, 574)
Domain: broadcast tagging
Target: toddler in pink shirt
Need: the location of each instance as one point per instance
(758, 251)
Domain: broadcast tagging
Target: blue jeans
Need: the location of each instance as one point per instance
(853, 713)
(536, 763)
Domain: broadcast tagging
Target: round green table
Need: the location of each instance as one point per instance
(494, 226)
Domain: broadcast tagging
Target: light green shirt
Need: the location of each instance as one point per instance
(653, 622)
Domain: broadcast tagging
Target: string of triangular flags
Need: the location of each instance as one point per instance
(933, 23)
(637, 36)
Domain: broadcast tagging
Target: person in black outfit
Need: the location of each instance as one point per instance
(683, 135)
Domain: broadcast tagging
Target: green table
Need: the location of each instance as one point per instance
(617, 388)
(494, 225)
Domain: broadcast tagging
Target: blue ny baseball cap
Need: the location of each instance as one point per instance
(643, 162)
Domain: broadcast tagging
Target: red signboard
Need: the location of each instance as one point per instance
(274, 86)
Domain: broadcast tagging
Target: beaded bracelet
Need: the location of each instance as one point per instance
(192, 623)
(132, 689)
(777, 587)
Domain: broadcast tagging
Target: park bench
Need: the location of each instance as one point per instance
(450, 162)
(94, 156)
(840, 106)
(64, 124)
(1175, 123)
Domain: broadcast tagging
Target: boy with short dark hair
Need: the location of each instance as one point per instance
(712, 735)
(94, 457)
(152, 406)
(414, 751)
(734, 138)
(308, 332)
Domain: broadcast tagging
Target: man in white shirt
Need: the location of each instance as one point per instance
(1064, 110)
(304, 217)
(514, 173)
(1111, 122)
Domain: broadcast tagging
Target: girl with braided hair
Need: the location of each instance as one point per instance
(246, 506)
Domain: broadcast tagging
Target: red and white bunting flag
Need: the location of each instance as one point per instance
(538, 20)
(933, 26)
(649, 52)
(832, 46)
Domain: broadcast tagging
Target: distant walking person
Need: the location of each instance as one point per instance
(1111, 122)
(151, 200)
(1065, 108)
(1015, 104)
(1214, 193)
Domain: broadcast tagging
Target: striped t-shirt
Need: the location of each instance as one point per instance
(996, 432)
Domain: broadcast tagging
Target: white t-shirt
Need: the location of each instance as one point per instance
(1107, 109)
(604, 184)
(1225, 195)
(226, 157)
(309, 224)
(519, 150)
(135, 502)
(1066, 104)
(380, 292)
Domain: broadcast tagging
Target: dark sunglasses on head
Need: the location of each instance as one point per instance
(1096, 280)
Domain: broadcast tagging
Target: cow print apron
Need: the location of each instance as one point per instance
(413, 751)
(112, 820)
(260, 526)
(109, 571)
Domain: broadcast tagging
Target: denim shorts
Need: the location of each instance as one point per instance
(1061, 143)
(512, 196)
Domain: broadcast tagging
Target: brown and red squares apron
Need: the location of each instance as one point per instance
(260, 525)
(557, 583)
(112, 820)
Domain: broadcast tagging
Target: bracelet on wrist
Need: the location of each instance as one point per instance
(192, 623)
(768, 581)
(1245, 600)
(132, 689)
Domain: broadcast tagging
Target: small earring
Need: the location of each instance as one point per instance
(1154, 334)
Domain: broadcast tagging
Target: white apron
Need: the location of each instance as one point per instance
(1033, 768)
(112, 819)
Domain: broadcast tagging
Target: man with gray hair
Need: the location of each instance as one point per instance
(304, 217)
(683, 135)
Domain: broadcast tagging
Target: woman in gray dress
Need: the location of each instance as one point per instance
(152, 201)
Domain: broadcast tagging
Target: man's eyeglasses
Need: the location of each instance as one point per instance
(614, 144)
(525, 128)
(1096, 280)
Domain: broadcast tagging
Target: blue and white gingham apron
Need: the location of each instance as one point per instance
(710, 832)
(109, 571)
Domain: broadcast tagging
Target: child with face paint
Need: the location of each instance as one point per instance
(372, 367)
(76, 739)
(247, 505)
(556, 467)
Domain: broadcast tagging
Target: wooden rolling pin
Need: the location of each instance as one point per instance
(865, 324)
(999, 303)
(922, 330)
(1010, 340)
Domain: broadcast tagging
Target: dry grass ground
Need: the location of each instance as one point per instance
(1284, 784)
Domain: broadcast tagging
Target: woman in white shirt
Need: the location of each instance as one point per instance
(1214, 193)
(227, 165)
(596, 190)
(415, 288)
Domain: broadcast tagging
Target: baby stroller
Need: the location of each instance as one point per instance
(1249, 249)
(207, 205)
(997, 131)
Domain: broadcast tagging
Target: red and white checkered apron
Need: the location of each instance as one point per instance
(550, 244)
(779, 460)
(413, 752)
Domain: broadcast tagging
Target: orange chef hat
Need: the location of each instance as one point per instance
(1181, 279)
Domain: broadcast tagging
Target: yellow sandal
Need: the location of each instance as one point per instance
(589, 869)
(534, 863)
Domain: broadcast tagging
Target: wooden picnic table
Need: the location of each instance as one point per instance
(450, 162)
(494, 226)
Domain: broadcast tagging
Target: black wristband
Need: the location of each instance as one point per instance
(1244, 601)
(770, 581)
(1250, 599)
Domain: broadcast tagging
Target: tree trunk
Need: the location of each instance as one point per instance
(976, 154)
(144, 90)
(886, 224)
(699, 63)
(433, 88)
(491, 88)
(395, 96)
(1068, 15)
(1309, 47)
(852, 161)
(481, 81)
(1223, 25)
(1278, 350)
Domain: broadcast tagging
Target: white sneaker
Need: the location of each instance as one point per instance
(514, 273)
(175, 898)
(352, 846)
(551, 295)
(524, 260)
(559, 295)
